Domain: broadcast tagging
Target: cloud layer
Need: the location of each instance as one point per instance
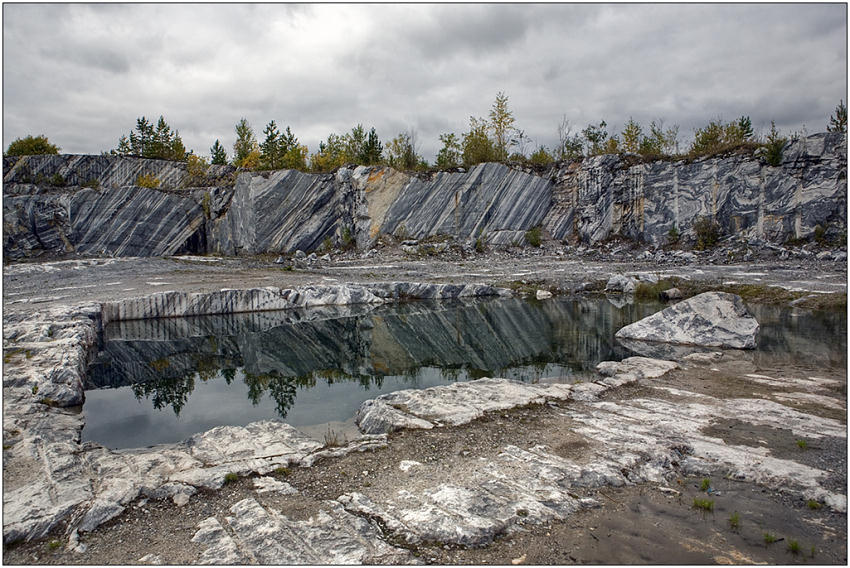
(82, 73)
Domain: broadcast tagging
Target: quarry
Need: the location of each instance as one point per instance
(512, 398)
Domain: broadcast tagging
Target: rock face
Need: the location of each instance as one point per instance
(711, 319)
(282, 211)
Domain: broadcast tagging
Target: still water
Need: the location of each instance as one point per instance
(160, 381)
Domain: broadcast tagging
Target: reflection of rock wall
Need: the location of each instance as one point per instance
(485, 336)
(281, 211)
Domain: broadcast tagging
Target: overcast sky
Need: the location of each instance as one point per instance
(82, 74)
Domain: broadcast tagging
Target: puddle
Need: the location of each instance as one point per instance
(160, 381)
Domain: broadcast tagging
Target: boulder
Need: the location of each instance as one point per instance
(711, 319)
(622, 284)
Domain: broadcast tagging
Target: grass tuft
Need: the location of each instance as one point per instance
(793, 547)
(230, 478)
(705, 485)
(735, 521)
(704, 504)
(769, 538)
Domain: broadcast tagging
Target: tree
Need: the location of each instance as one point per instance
(449, 155)
(31, 146)
(595, 137)
(218, 153)
(270, 148)
(838, 120)
(372, 149)
(245, 144)
(632, 135)
(569, 144)
(477, 146)
(330, 155)
(745, 126)
(502, 125)
(149, 141)
(401, 151)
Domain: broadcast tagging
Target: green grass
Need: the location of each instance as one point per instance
(704, 504)
(802, 444)
(734, 520)
(705, 485)
(282, 471)
(230, 478)
(793, 547)
(769, 538)
(814, 505)
(533, 236)
(54, 544)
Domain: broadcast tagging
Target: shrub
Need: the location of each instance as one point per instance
(820, 235)
(704, 504)
(31, 146)
(197, 166)
(541, 157)
(769, 538)
(148, 181)
(57, 180)
(347, 238)
(533, 236)
(707, 232)
(793, 546)
(705, 485)
(230, 478)
(673, 235)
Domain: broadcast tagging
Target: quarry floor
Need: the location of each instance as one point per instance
(30, 286)
(640, 524)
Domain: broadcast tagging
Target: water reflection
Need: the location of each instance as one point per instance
(274, 359)
(160, 381)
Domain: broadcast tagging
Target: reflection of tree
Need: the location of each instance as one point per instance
(281, 389)
(166, 392)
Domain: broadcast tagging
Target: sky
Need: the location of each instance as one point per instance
(81, 74)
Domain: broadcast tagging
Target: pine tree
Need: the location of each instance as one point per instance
(270, 147)
(371, 151)
(245, 143)
(218, 153)
(838, 121)
(631, 136)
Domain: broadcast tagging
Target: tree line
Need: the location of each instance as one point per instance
(496, 138)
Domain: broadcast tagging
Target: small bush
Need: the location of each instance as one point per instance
(481, 243)
(820, 235)
(197, 166)
(35, 389)
(814, 505)
(282, 471)
(769, 538)
(148, 181)
(327, 244)
(205, 204)
(704, 504)
(673, 235)
(802, 444)
(707, 232)
(54, 544)
(230, 478)
(705, 485)
(533, 236)
(333, 438)
(793, 547)
(347, 238)
(57, 180)
(734, 521)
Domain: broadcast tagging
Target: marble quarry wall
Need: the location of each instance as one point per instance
(92, 205)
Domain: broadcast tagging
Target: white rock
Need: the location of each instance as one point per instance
(712, 319)
(543, 294)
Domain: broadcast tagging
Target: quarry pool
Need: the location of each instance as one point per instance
(160, 381)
